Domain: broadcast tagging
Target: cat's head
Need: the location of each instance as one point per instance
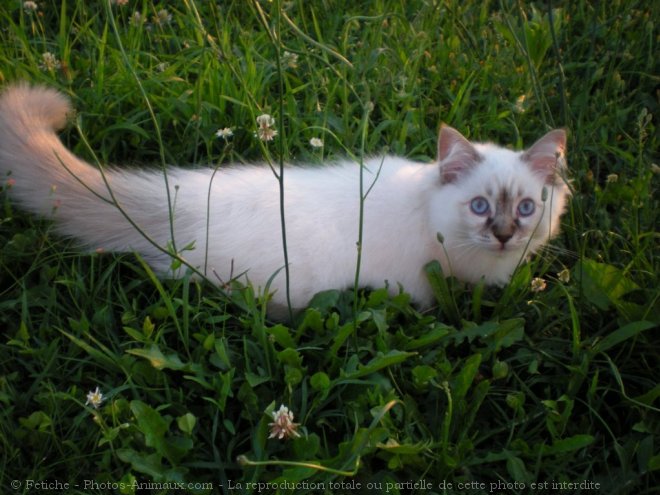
(508, 202)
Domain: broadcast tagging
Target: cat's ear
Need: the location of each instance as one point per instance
(546, 156)
(455, 154)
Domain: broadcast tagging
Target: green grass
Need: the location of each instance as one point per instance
(502, 386)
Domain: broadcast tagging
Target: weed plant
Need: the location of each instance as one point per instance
(526, 389)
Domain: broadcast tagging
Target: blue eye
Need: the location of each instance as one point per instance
(526, 207)
(479, 206)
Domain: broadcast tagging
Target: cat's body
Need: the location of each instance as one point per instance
(407, 206)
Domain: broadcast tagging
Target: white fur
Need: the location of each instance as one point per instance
(404, 211)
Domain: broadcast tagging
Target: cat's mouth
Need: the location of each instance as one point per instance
(501, 248)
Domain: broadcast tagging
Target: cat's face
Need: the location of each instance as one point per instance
(503, 206)
(506, 203)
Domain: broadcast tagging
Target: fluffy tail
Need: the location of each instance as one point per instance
(44, 176)
(46, 179)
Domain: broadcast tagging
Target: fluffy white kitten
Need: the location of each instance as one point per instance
(492, 206)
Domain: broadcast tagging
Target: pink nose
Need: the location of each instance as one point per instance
(503, 238)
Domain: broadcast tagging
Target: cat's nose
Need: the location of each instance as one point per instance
(502, 237)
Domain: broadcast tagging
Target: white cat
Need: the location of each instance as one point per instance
(492, 206)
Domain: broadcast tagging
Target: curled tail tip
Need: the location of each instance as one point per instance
(34, 105)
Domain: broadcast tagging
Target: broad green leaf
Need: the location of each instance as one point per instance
(134, 334)
(429, 338)
(220, 346)
(324, 300)
(291, 357)
(307, 447)
(622, 334)
(394, 447)
(226, 380)
(423, 374)
(22, 335)
(461, 382)
(320, 381)
(601, 283)
(649, 397)
(379, 317)
(516, 469)
(344, 332)
(150, 423)
(254, 380)
(644, 452)
(159, 360)
(472, 332)
(176, 447)
(282, 336)
(154, 428)
(186, 423)
(37, 421)
(509, 332)
(292, 376)
(313, 320)
(148, 327)
(379, 362)
(150, 465)
(500, 369)
(570, 444)
(654, 463)
(495, 335)
(128, 484)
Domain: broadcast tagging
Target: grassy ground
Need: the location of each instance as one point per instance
(496, 389)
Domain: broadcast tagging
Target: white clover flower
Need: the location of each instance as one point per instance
(283, 426)
(265, 132)
(290, 60)
(30, 6)
(225, 133)
(162, 17)
(538, 285)
(95, 398)
(49, 62)
(316, 142)
(265, 120)
(612, 178)
(136, 19)
(520, 103)
(564, 276)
